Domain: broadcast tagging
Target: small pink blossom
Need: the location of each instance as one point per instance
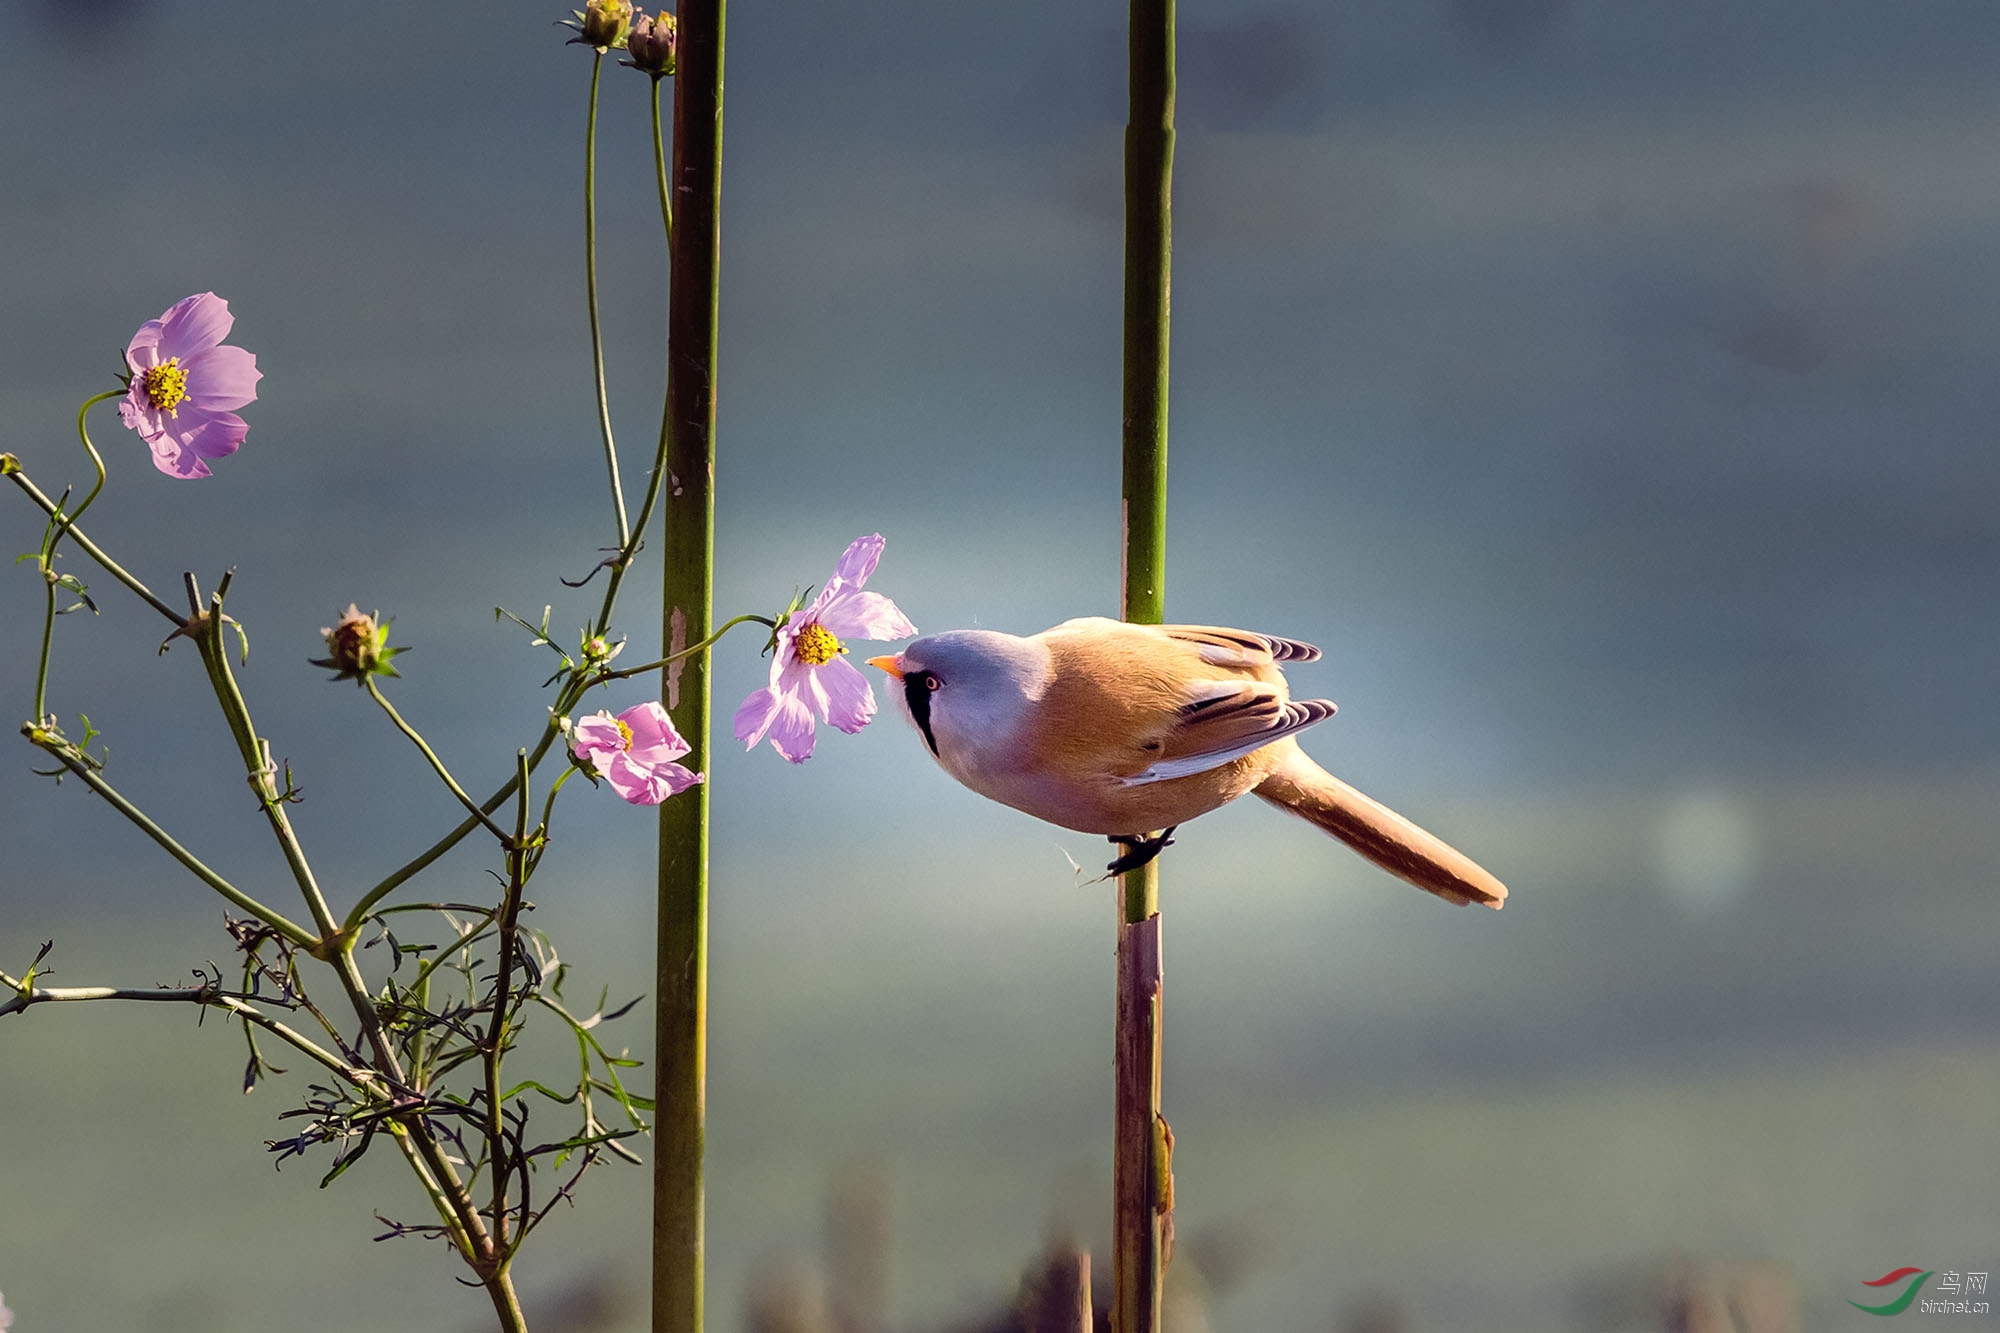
(634, 752)
(809, 671)
(185, 386)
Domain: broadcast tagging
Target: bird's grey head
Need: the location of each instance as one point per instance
(970, 686)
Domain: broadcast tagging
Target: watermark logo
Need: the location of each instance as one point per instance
(1954, 1292)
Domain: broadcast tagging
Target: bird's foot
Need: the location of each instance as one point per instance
(1139, 851)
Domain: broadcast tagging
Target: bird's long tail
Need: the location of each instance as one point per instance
(1379, 833)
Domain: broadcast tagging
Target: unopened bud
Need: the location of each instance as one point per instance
(358, 647)
(652, 43)
(603, 23)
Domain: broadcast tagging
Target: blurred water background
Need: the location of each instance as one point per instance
(1606, 388)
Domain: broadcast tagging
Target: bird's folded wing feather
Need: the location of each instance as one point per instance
(1241, 648)
(1224, 721)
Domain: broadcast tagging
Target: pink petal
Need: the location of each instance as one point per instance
(846, 699)
(184, 441)
(143, 352)
(756, 713)
(221, 378)
(170, 458)
(645, 784)
(792, 729)
(596, 739)
(138, 414)
(194, 324)
(784, 657)
(858, 561)
(852, 614)
(653, 731)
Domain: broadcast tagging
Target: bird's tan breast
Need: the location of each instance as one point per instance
(1114, 698)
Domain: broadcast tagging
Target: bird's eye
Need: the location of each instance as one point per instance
(932, 683)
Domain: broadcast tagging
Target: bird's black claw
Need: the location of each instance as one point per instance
(1140, 851)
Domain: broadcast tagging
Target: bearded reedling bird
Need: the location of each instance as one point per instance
(1107, 727)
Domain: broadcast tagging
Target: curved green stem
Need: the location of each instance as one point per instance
(437, 764)
(66, 754)
(660, 167)
(48, 642)
(96, 460)
(590, 288)
(570, 695)
(565, 700)
(548, 813)
(684, 653)
(87, 546)
(629, 548)
(59, 524)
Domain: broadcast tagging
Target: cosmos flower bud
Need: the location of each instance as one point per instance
(652, 43)
(358, 647)
(598, 650)
(603, 24)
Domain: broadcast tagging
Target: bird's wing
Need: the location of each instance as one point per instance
(1240, 648)
(1226, 720)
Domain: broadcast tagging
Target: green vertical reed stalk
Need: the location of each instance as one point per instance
(681, 1060)
(1142, 1186)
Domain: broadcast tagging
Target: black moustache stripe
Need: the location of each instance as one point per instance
(917, 689)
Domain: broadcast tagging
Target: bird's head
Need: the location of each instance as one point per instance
(968, 691)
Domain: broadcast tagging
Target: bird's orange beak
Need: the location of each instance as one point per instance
(892, 663)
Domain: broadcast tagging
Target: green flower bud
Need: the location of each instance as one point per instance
(603, 23)
(358, 647)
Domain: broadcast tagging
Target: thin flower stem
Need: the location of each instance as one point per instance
(495, 1043)
(335, 946)
(48, 641)
(660, 168)
(454, 1207)
(68, 756)
(657, 475)
(26, 996)
(437, 764)
(566, 699)
(684, 653)
(571, 695)
(59, 524)
(259, 769)
(590, 289)
(548, 813)
(96, 460)
(84, 544)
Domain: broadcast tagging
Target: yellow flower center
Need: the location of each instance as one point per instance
(816, 645)
(166, 385)
(624, 733)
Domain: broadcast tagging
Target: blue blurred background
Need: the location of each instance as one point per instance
(1606, 388)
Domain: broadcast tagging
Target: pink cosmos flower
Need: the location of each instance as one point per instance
(634, 752)
(808, 671)
(185, 384)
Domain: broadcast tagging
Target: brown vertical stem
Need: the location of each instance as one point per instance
(1141, 1179)
(1142, 1186)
